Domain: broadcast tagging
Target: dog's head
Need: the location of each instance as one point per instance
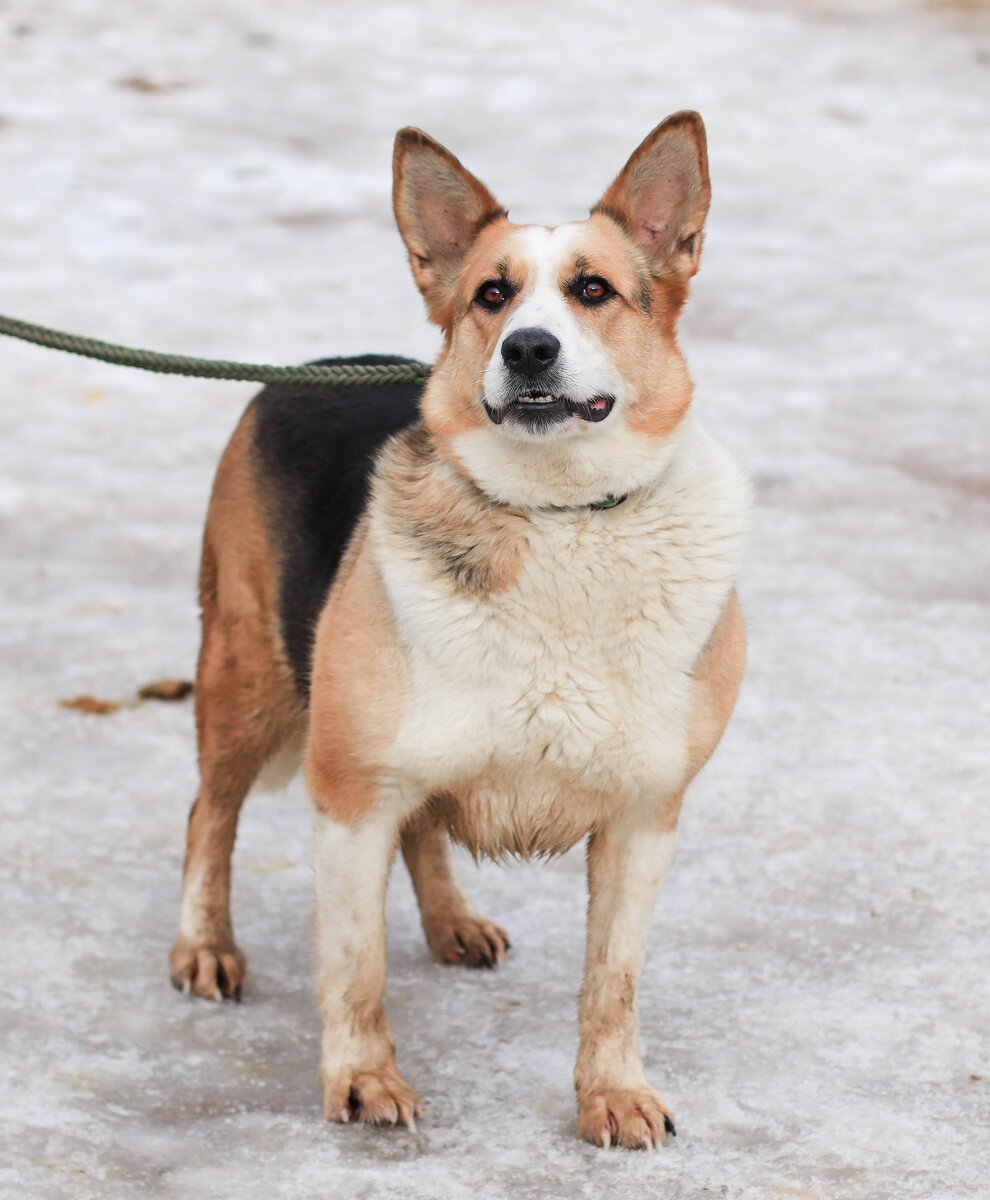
(560, 380)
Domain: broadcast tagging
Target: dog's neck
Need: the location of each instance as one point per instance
(577, 474)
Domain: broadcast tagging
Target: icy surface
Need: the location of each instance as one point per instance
(213, 178)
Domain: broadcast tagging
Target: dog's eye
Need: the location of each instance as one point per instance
(493, 293)
(594, 290)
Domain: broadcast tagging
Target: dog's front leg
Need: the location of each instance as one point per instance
(626, 865)
(357, 1054)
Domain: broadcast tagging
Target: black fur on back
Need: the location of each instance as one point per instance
(316, 447)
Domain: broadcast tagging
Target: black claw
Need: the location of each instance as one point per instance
(668, 1124)
(237, 994)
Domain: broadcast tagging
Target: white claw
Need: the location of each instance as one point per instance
(344, 1115)
(218, 996)
(187, 987)
(606, 1139)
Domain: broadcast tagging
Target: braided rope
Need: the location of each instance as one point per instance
(340, 375)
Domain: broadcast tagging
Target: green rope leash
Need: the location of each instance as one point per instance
(342, 375)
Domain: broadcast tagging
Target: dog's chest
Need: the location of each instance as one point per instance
(536, 709)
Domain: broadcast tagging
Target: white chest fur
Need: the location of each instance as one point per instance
(533, 708)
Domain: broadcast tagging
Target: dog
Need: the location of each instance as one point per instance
(502, 612)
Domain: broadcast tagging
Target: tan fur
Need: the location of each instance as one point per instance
(518, 673)
(717, 678)
(643, 332)
(661, 196)
(434, 508)
(646, 239)
(251, 723)
(616, 1105)
(439, 208)
(610, 1111)
(359, 675)
(357, 1063)
(660, 201)
(246, 709)
(468, 341)
(453, 931)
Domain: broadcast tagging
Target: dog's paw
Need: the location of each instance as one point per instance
(378, 1097)
(467, 941)
(632, 1117)
(213, 971)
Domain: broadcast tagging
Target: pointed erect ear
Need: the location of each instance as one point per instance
(661, 195)
(440, 208)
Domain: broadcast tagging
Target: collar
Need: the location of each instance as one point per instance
(608, 501)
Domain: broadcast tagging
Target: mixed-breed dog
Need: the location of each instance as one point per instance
(501, 611)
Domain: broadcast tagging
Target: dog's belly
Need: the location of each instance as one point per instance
(543, 790)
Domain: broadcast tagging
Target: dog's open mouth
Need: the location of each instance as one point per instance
(537, 410)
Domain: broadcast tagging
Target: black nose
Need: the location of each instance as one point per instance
(530, 351)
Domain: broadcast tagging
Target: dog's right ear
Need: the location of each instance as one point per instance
(440, 208)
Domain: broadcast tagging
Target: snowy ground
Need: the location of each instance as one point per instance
(214, 179)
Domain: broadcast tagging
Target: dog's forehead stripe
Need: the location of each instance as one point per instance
(545, 251)
(550, 257)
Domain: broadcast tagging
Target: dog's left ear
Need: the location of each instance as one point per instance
(440, 208)
(661, 195)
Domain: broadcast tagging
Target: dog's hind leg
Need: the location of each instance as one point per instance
(205, 959)
(247, 711)
(453, 931)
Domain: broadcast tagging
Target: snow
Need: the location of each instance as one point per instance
(815, 1004)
